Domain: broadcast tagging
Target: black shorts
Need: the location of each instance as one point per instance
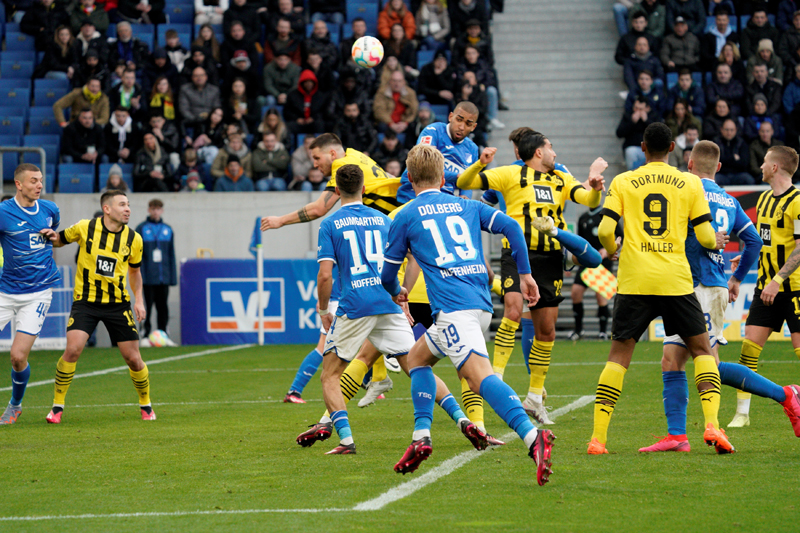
(546, 268)
(118, 319)
(608, 263)
(682, 315)
(421, 314)
(773, 316)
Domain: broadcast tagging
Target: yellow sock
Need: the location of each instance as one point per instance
(141, 380)
(351, 380)
(749, 358)
(64, 373)
(539, 361)
(379, 370)
(608, 390)
(504, 342)
(797, 352)
(473, 404)
(705, 371)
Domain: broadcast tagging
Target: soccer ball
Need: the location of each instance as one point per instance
(367, 52)
(158, 338)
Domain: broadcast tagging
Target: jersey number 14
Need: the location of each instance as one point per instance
(373, 244)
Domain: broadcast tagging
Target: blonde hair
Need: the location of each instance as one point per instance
(785, 157)
(736, 54)
(425, 165)
(705, 155)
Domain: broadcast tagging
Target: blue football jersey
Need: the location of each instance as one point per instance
(353, 238)
(336, 294)
(28, 256)
(708, 266)
(443, 233)
(493, 197)
(457, 157)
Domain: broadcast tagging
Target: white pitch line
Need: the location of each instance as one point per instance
(408, 488)
(157, 514)
(153, 362)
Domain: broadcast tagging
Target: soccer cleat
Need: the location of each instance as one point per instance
(375, 389)
(343, 449)
(317, 432)
(540, 453)
(575, 335)
(537, 411)
(718, 439)
(11, 414)
(602, 336)
(493, 441)
(740, 420)
(392, 365)
(791, 406)
(293, 397)
(148, 413)
(474, 434)
(669, 444)
(54, 416)
(416, 453)
(145, 343)
(545, 225)
(497, 286)
(596, 448)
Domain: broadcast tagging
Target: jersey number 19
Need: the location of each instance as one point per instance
(459, 232)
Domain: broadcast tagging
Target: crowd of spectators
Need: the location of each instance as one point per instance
(721, 70)
(236, 110)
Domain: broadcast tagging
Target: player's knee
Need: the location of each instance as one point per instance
(18, 357)
(576, 293)
(513, 313)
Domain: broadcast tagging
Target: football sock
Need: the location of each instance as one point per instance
(349, 382)
(797, 352)
(705, 371)
(580, 248)
(366, 379)
(64, 373)
(19, 380)
(506, 404)
(472, 403)
(609, 387)
(306, 371)
(379, 370)
(539, 361)
(141, 380)
(527, 340)
(423, 392)
(419, 330)
(743, 378)
(676, 400)
(603, 314)
(749, 358)
(451, 407)
(504, 342)
(342, 425)
(577, 312)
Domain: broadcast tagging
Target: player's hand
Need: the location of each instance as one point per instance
(735, 263)
(722, 240)
(138, 310)
(615, 256)
(268, 223)
(529, 289)
(604, 253)
(770, 292)
(487, 156)
(598, 183)
(50, 234)
(598, 167)
(402, 297)
(407, 312)
(327, 320)
(733, 289)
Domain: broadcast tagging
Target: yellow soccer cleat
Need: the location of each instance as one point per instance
(596, 448)
(740, 420)
(497, 286)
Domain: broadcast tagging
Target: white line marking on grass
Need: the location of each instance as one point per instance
(156, 514)
(153, 362)
(410, 487)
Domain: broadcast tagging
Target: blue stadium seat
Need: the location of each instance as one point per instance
(18, 56)
(53, 84)
(14, 96)
(19, 42)
(44, 125)
(76, 178)
(12, 126)
(697, 77)
(180, 28)
(672, 79)
(127, 173)
(13, 27)
(50, 143)
(13, 84)
(441, 112)
(10, 159)
(347, 31)
(13, 111)
(424, 57)
(11, 69)
(42, 112)
(743, 20)
(42, 96)
(365, 10)
(180, 14)
(145, 33)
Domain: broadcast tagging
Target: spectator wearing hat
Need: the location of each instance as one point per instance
(766, 87)
(114, 180)
(734, 156)
(198, 98)
(757, 29)
(280, 77)
(283, 40)
(233, 179)
(305, 107)
(681, 49)
(758, 116)
(90, 39)
(151, 170)
(123, 136)
(687, 89)
(83, 140)
(88, 9)
(127, 94)
(151, 12)
(194, 183)
(437, 81)
(642, 59)
(711, 42)
(355, 130)
(433, 25)
(692, 10)
(199, 58)
(626, 43)
(759, 146)
(41, 21)
(476, 38)
(766, 56)
(270, 164)
(395, 105)
(790, 41)
(89, 96)
(125, 47)
(159, 66)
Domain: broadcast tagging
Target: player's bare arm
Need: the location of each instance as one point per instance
(412, 273)
(316, 209)
(135, 279)
(773, 287)
(596, 181)
(529, 289)
(324, 286)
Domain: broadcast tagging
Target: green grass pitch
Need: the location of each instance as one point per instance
(224, 442)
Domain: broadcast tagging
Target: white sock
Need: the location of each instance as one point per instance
(499, 375)
(530, 437)
(743, 406)
(346, 441)
(536, 398)
(421, 434)
(461, 420)
(325, 420)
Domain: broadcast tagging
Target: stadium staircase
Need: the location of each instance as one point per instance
(555, 63)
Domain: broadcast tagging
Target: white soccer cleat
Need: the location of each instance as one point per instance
(537, 411)
(740, 420)
(145, 343)
(496, 124)
(545, 225)
(375, 389)
(392, 365)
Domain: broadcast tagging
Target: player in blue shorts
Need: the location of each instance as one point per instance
(714, 291)
(29, 273)
(438, 229)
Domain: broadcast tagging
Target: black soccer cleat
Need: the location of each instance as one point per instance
(416, 453)
(540, 453)
(343, 449)
(317, 432)
(474, 434)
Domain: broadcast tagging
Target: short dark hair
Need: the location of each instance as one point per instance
(106, 197)
(518, 133)
(645, 71)
(528, 144)
(637, 15)
(25, 167)
(657, 137)
(350, 179)
(760, 8)
(86, 110)
(684, 71)
(691, 127)
(390, 134)
(642, 100)
(468, 107)
(722, 10)
(326, 140)
(358, 19)
(155, 202)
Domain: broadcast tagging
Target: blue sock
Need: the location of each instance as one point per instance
(342, 424)
(419, 330)
(367, 378)
(676, 400)
(527, 340)
(451, 407)
(506, 404)
(306, 371)
(580, 248)
(19, 380)
(741, 377)
(423, 394)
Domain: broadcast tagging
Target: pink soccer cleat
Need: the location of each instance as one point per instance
(670, 443)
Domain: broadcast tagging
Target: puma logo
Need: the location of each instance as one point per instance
(606, 411)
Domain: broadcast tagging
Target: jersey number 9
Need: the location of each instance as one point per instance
(656, 208)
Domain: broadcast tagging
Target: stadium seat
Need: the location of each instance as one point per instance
(13, 27)
(127, 173)
(12, 126)
(53, 84)
(424, 57)
(50, 143)
(697, 77)
(743, 20)
(11, 69)
(76, 178)
(14, 84)
(42, 96)
(145, 33)
(18, 56)
(14, 96)
(441, 112)
(180, 14)
(19, 42)
(672, 79)
(180, 28)
(13, 111)
(44, 125)
(365, 10)
(10, 159)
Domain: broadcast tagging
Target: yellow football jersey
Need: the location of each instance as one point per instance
(657, 202)
(419, 292)
(103, 260)
(529, 193)
(778, 227)
(380, 188)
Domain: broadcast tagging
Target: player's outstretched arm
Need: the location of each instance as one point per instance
(135, 279)
(324, 287)
(470, 178)
(316, 209)
(53, 236)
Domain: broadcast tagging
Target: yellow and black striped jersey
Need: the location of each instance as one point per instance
(103, 260)
(529, 193)
(380, 188)
(778, 226)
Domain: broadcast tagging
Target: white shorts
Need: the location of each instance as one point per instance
(389, 333)
(29, 310)
(458, 335)
(333, 305)
(714, 302)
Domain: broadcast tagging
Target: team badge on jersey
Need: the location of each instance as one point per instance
(426, 140)
(544, 194)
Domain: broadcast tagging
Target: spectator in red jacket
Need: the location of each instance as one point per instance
(395, 12)
(305, 106)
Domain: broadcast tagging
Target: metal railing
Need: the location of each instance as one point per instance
(26, 149)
